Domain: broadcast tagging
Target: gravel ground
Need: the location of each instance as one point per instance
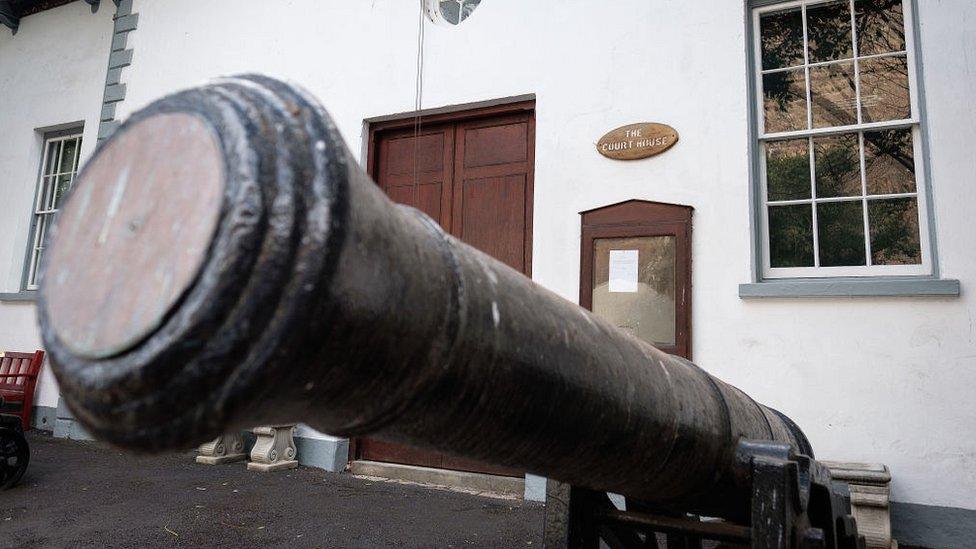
(80, 494)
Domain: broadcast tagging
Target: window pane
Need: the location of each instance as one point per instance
(46, 199)
(51, 162)
(884, 89)
(62, 183)
(841, 233)
(785, 101)
(829, 32)
(880, 26)
(42, 224)
(791, 236)
(894, 232)
(838, 165)
(832, 95)
(889, 161)
(68, 156)
(644, 307)
(788, 169)
(781, 36)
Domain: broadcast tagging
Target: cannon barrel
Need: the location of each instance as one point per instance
(223, 262)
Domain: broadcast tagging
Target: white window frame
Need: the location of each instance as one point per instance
(43, 214)
(914, 122)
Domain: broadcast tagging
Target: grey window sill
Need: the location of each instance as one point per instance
(23, 295)
(850, 287)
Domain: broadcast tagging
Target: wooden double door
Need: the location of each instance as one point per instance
(472, 172)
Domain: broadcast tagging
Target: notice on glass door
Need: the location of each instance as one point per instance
(623, 271)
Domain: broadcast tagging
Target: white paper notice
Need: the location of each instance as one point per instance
(623, 271)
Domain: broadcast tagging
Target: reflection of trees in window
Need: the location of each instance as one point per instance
(894, 231)
(889, 161)
(829, 32)
(840, 232)
(833, 85)
(782, 39)
(861, 206)
(785, 101)
(837, 165)
(657, 269)
(788, 170)
(791, 236)
(880, 26)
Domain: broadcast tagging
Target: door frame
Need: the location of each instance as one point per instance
(456, 114)
(639, 218)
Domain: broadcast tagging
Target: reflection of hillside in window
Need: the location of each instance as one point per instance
(838, 135)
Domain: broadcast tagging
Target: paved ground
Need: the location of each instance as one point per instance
(78, 494)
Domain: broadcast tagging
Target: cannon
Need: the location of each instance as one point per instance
(223, 262)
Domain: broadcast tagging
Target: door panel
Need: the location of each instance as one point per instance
(492, 217)
(429, 187)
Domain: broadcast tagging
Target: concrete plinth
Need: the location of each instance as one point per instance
(227, 448)
(274, 449)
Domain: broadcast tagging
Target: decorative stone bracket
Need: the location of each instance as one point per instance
(274, 448)
(223, 449)
(869, 490)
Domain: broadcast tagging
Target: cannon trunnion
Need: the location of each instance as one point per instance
(239, 268)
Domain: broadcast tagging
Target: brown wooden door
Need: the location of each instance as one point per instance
(472, 172)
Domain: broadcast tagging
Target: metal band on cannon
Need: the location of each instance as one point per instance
(271, 281)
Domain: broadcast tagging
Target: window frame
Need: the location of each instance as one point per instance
(928, 267)
(34, 247)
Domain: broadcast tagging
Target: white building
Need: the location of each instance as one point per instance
(824, 160)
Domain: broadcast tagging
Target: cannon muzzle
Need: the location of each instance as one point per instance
(223, 262)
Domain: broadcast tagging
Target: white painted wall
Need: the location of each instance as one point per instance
(52, 73)
(886, 380)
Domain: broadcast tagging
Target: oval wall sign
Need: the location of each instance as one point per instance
(635, 141)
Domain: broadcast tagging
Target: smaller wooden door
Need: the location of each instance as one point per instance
(635, 271)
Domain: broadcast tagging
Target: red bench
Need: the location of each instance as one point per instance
(18, 377)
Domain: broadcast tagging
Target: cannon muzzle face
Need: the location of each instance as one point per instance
(135, 234)
(192, 247)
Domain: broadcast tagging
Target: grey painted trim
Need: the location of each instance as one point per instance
(752, 4)
(755, 209)
(23, 295)
(108, 113)
(107, 127)
(755, 256)
(65, 425)
(924, 127)
(914, 525)
(851, 287)
(120, 59)
(113, 76)
(125, 22)
(44, 417)
(535, 488)
(114, 92)
(119, 41)
(329, 454)
(452, 108)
